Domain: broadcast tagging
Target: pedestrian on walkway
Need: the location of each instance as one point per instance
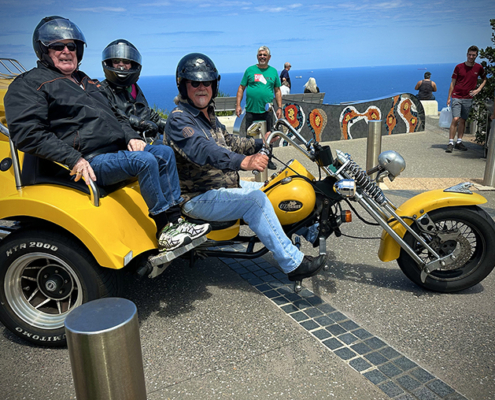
(462, 90)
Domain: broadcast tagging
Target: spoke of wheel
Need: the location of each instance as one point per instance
(43, 303)
(32, 295)
(29, 278)
(68, 303)
(59, 307)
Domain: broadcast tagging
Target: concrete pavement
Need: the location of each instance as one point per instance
(234, 329)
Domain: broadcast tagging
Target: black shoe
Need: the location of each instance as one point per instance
(460, 146)
(450, 147)
(271, 165)
(309, 267)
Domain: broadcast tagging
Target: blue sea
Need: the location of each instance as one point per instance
(339, 84)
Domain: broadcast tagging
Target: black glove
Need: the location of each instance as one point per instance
(142, 125)
(161, 125)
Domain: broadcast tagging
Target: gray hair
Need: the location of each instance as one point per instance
(264, 48)
(287, 64)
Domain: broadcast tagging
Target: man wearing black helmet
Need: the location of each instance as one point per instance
(208, 161)
(121, 63)
(57, 112)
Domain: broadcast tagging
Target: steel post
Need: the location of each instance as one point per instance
(489, 178)
(262, 176)
(105, 350)
(374, 144)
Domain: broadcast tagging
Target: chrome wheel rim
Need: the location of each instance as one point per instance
(42, 289)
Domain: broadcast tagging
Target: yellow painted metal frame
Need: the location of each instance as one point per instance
(110, 232)
(416, 207)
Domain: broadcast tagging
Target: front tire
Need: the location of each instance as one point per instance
(43, 276)
(472, 238)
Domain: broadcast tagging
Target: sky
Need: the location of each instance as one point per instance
(308, 34)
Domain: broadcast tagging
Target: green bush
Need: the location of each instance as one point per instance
(479, 113)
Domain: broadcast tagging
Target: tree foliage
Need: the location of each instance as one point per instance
(480, 113)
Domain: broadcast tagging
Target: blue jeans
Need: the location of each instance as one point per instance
(252, 205)
(155, 169)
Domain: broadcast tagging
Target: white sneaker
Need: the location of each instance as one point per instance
(170, 238)
(194, 231)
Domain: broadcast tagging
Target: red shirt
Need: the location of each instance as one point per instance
(466, 79)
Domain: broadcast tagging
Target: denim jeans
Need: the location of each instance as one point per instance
(252, 205)
(155, 169)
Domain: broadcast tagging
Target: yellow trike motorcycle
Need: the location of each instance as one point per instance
(63, 243)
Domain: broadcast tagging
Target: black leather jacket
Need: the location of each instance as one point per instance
(52, 117)
(127, 105)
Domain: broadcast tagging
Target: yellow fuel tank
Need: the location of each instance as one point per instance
(292, 196)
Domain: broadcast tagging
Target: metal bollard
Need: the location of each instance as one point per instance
(260, 134)
(489, 177)
(374, 144)
(105, 350)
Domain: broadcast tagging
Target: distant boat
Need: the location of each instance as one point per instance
(298, 77)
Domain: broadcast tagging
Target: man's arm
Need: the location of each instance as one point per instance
(434, 86)
(238, 99)
(451, 89)
(417, 85)
(278, 99)
(474, 92)
(27, 115)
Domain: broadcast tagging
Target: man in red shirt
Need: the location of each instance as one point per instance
(462, 90)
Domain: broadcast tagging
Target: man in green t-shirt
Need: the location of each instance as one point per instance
(261, 81)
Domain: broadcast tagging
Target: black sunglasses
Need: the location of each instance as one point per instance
(196, 84)
(59, 46)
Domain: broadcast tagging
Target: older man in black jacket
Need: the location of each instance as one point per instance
(57, 112)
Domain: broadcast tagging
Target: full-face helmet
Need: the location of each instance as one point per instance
(55, 28)
(196, 67)
(121, 49)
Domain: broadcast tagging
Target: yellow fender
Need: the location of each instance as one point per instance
(119, 226)
(416, 207)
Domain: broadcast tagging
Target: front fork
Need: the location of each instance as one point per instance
(424, 223)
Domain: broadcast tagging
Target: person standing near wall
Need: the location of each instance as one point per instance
(462, 90)
(284, 75)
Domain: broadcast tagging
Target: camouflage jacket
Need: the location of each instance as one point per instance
(207, 156)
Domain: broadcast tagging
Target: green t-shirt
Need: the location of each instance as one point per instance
(260, 84)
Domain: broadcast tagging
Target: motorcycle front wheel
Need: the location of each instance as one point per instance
(469, 233)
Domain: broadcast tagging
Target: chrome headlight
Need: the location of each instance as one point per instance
(392, 162)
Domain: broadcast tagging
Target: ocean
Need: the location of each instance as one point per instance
(339, 84)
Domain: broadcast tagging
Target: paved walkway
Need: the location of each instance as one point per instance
(231, 328)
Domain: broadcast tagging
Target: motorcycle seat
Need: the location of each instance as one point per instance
(36, 170)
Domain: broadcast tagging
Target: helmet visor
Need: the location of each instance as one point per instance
(59, 29)
(121, 50)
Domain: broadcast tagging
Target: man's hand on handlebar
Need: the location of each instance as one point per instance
(279, 113)
(256, 162)
(273, 140)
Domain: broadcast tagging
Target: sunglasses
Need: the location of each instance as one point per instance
(196, 84)
(120, 60)
(59, 46)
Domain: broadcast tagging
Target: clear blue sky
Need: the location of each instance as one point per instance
(308, 34)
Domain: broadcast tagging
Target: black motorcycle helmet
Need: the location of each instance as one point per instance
(196, 67)
(120, 77)
(52, 29)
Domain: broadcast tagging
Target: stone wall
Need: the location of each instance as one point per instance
(400, 113)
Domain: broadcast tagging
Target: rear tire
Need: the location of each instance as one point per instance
(473, 241)
(43, 276)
